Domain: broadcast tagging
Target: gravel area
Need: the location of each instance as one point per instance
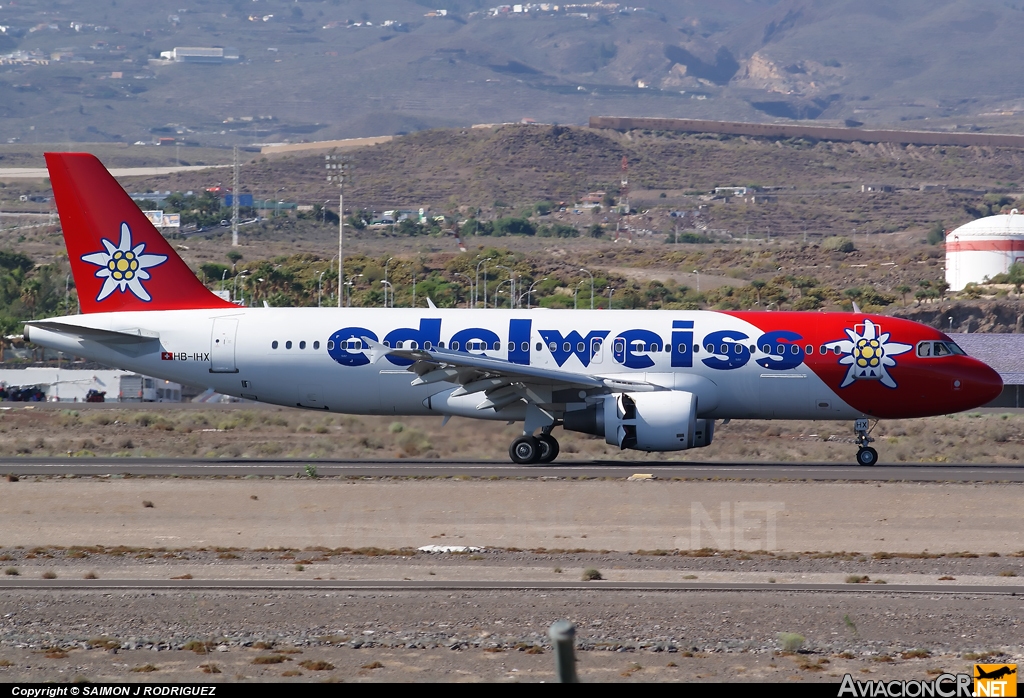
(158, 529)
(498, 635)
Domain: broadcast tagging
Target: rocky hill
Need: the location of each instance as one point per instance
(91, 70)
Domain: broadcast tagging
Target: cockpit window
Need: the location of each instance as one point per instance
(934, 349)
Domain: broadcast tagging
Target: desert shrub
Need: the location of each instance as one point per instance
(791, 642)
(837, 243)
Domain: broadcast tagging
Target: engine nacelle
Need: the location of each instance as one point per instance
(658, 421)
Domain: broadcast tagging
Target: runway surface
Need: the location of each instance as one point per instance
(386, 585)
(167, 467)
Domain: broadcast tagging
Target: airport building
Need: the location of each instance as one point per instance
(37, 384)
(977, 251)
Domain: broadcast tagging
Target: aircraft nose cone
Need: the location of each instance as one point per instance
(981, 384)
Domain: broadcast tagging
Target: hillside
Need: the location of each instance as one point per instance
(90, 70)
(811, 187)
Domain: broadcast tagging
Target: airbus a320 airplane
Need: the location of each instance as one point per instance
(650, 380)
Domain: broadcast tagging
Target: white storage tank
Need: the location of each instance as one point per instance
(983, 248)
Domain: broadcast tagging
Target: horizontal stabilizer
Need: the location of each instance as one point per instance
(129, 336)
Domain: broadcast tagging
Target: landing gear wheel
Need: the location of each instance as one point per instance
(867, 456)
(548, 448)
(525, 450)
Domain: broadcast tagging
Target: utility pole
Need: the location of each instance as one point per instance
(234, 203)
(337, 168)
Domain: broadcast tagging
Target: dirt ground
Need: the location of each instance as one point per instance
(441, 636)
(263, 431)
(531, 530)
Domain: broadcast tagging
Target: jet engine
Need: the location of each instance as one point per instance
(658, 421)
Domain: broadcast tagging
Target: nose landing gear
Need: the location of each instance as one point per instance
(865, 454)
(530, 450)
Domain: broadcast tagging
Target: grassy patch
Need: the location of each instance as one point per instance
(271, 659)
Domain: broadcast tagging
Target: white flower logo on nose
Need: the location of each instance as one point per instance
(124, 267)
(868, 354)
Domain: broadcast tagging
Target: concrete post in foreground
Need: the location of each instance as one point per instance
(563, 635)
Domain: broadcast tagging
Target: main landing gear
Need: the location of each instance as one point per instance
(530, 450)
(865, 454)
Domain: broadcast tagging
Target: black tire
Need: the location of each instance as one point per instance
(548, 448)
(867, 456)
(525, 450)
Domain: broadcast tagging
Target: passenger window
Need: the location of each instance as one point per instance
(316, 344)
(655, 347)
(808, 349)
(696, 348)
(440, 345)
(273, 345)
(795, 349)
(539, 346)
(710, 348)
(822, 349)
(428, 345)
(496, 346)
(681, 348)
(511, 346)
(413, 344)
(455, 346)
(581, 347)
(552, 346)
(330, 345)
(288, 344)
(302, 344)
(387, 343)
(524, 347)
(737, 348)
(765, 349)
(566, 346)
(399, 345)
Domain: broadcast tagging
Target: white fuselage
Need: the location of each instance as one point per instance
(314, 357)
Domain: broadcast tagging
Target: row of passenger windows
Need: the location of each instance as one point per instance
(354, 344)
(302, 345)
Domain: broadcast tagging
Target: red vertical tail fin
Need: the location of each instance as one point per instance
(119, 260)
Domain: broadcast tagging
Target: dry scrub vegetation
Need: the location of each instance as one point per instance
(273, 432)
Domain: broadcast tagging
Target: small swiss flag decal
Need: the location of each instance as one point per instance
(166, 356)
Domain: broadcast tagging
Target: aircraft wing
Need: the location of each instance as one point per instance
(503, 382)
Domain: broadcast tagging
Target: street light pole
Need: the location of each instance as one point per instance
(318, 286)
(337, 165)
(476, 286)
(471, 288)
(386, 284)
(529, 294)
(591, 286)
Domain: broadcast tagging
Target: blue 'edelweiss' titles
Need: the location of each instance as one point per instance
(632, 348)
(124, 267)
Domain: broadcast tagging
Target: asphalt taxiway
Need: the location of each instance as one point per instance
(399, 468)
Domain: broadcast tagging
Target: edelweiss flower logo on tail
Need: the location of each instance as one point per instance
(124, 266)
(868, 354)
